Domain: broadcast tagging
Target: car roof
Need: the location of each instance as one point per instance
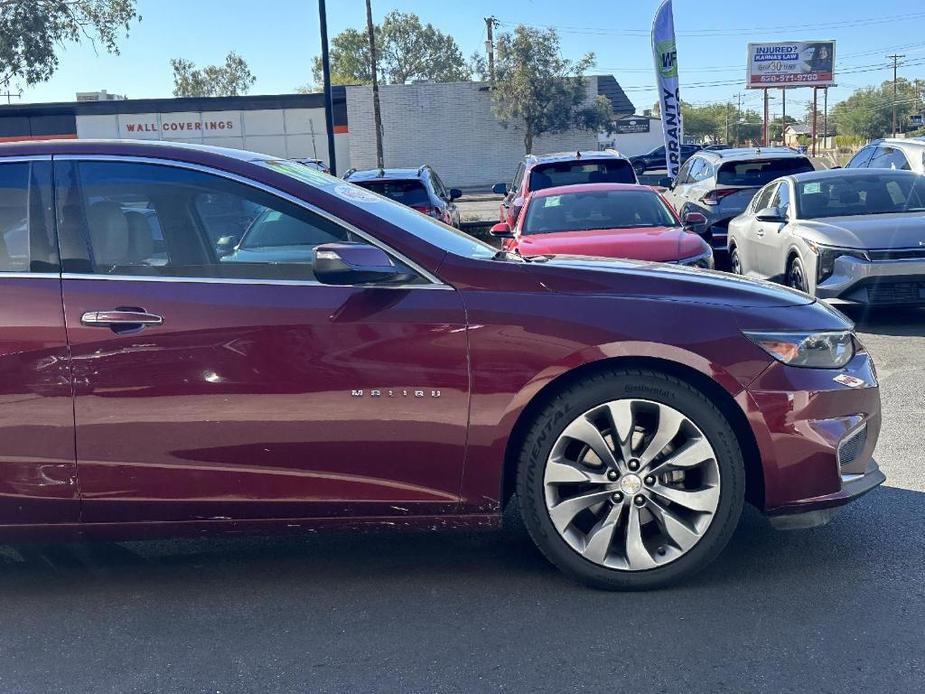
(153, 148)
(384, 174)
(589, 188)
(914, 141)
(745, 153)
(847, 173)
(552, 157)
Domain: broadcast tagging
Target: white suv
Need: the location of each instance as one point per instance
(891, 153)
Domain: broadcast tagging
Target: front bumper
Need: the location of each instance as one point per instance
(884, 282)
(811, 513)
(816, 431)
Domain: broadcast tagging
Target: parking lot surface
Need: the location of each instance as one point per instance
(836, 609)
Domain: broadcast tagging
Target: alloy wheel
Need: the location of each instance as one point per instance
(735, 263)
(631, 484)
(795, 276)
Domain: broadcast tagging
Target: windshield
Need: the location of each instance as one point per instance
(411, 192)
(880, 193)
(567, 173)
(756, 173)
(421, 226)
(602, 209)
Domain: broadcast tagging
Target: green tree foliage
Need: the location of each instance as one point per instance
(868, 112)
(708, 121)
(32, 32)
(231, 79)
(538, 91)
(406, 49)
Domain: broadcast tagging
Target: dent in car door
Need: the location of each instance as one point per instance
(259, 398)
(38, 474)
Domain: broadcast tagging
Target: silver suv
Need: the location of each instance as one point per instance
(719, 184)
(891, 153)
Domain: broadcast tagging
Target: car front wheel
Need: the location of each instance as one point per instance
(735, 263)
(796, 277)
(630, 480)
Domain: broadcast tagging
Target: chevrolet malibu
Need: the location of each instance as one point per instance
(612, 220)
(401, 374)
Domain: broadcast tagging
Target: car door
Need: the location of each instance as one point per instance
(38, 472)
(675, 193)
(750, 255)
(241, 387)
(772, 239)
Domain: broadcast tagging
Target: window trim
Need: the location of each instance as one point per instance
(434, 281)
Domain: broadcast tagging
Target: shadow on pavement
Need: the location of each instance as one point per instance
(888, 321)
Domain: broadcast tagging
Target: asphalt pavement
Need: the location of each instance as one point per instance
(835, 609)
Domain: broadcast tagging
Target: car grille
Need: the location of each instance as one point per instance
(850, 447)
(896, 292)
(898, 254)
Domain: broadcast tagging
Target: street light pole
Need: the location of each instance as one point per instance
(328, 91)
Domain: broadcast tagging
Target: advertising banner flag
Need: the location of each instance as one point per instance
(665, 55)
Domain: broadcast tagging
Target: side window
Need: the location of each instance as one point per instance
(159, 220)
(861, 159)
(27, 241)
(898, 161)
(705, 171)
(684, 172)
(763, 198)
(782, 198)
(518, 178)
(439, 188)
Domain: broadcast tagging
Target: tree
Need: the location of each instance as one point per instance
(32, 31)
(868, 112)
(539, 91)
(231, 79)
(407, 50)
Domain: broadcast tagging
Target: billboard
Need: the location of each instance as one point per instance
(793, 63)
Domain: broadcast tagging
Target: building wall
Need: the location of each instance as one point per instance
(632, 144)
(449, 126)
(279, 132)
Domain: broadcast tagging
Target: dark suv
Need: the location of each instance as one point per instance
(420, 189)
(537, 172)
(655, 160)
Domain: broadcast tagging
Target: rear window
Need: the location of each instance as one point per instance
(756, 173)
(567, 173)
(411, 193)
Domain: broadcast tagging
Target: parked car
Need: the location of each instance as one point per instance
(560, 169)
(891, 153)
(719, 184)
(846, 235)
(655, 159)
(608, 220)
(420, 189)
(408, 376)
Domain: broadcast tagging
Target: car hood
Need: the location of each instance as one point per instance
(646, 243)
(904, 230)
(658, 281)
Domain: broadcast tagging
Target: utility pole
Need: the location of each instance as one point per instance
(9, 96)
(377, 114)
(825, 117)
(783, 114)
(895, 58)
(490, 46)
(764, 135)
(728, 106)
(815, 113)
(328, 92)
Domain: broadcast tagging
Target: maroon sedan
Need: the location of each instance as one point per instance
(366, 365)
(608, 220)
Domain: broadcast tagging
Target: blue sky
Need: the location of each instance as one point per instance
(279, 37)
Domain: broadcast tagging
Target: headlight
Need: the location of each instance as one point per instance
(704, 260)
(822, 350)
(825, 266)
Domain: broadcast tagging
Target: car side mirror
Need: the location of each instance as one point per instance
(693, 219)
(355, 263)
(455, 193)
(665, 182)
(771, 214)
(225, 245)
(499, 189)
(501, 230)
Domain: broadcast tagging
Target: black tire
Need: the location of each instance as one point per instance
(590, 392)
(796, 275)
(735, 264)
(640, 169)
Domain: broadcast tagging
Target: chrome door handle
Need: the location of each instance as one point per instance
(117, 317)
